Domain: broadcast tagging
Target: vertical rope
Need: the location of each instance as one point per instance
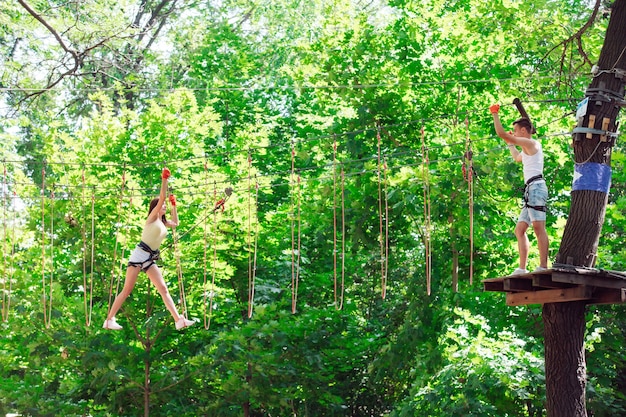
(83, 233)
(385, 194)
(251, 246)
(4, 251)
(343, 238)
(256, 241)
(93, 250)
(49, 322)
(381, 237)
(12, 262)
(427, 225)
(207, 314)
(295, 231)
(470, 188)
(117, 236)
(179, 274)
(44, 300)
(335, 222)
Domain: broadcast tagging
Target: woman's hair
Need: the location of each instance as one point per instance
(153, 204)
(525, 123)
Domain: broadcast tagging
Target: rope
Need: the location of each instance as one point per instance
(117, 233)
(426, 189)
(12, 263)
(295, 247)
(6, 296)
(252, 248)
(87, 305)
(338, 305)
(343, 238)
(470, 189)
(207, 314)
(93, 251)
(179, 273)
(46, 293)
(382, 232)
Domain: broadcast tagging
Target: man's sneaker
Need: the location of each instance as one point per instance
(183, 322)
(519, 271)
(540, 268)
(111, 324)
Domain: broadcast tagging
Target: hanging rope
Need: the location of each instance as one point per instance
(208, 313)
(335, 222)
(179, 274)
(469, 177)
(92, 252)
(87, 286)
(46, 288)
(117, 235)
(6, 294)
(252, 245)
(338, 298)
(382, 223)
(343, 238)
(295, 232)
(427, 217)
(385, 194)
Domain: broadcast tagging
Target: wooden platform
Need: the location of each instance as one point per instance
(561, 284)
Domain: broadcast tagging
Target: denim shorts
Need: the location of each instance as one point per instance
(537, 196)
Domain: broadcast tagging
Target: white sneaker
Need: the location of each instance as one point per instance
(183, 322)
(540, 268)
(519, 271)
(111, 324)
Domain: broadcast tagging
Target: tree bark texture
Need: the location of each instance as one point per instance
(564, 323)
(564, 331)
(582, 231)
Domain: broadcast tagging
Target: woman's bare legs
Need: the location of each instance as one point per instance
(132, 272)
(155, 275)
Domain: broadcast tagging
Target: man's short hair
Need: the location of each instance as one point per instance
(525, 123)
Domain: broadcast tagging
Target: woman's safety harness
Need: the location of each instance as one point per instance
(526, 187)
(153, 255)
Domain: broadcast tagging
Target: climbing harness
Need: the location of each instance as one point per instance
(526, 190)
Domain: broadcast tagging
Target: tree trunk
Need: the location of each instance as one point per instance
(564, 323)
(564, 331)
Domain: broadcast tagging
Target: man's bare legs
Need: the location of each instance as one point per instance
(542, 242)
(523, 244)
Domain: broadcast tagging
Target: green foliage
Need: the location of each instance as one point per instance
(328, 120)
(482, 373)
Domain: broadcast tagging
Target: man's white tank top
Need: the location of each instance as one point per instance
(153, 234)
(533, 164)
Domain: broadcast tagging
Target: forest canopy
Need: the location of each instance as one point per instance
(341, 194)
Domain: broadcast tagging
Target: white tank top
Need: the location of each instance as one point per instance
(533, 164)
(153, 234)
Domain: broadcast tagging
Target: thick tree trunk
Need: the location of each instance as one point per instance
(564, 323)
(564, 331)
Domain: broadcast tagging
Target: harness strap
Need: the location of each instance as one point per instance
(530, 181)
(533, 179)
(154, 254)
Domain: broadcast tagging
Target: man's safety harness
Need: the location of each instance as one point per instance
(526, 187)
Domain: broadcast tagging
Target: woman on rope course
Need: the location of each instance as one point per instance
(146, 253)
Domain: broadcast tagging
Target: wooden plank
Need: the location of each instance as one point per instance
(608, 296)
(589, 280)
(518, 284)
(558, 295)
(545, 281)
(494, 285)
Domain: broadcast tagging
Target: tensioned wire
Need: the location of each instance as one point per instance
(256, 149)
(278, 174)
(257, 87)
